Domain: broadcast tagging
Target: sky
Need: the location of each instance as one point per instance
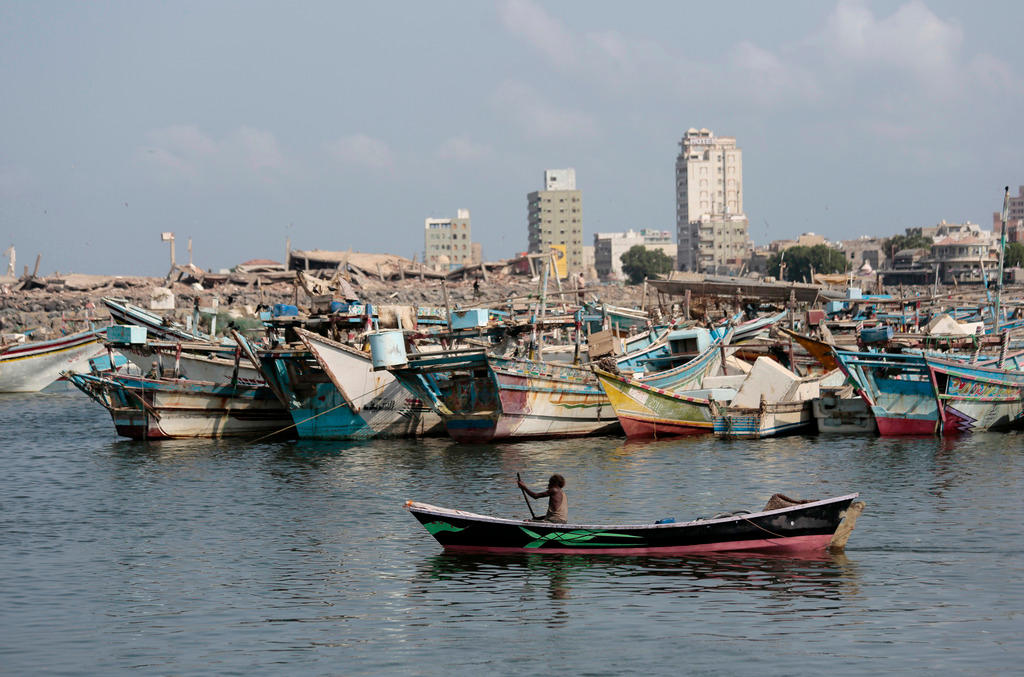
(246, 125)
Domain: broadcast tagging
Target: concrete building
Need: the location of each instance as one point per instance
(865, 249)
(448, 243)
(609, 248)
(711, 228)
(555, 217)
(961, 258)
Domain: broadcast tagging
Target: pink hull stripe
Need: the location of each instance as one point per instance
(794, 544)
(638, 428)
(905, 426)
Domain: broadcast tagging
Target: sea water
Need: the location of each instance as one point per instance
(224, 557)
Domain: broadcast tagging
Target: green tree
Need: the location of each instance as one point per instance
(800, 260)
(898, 243)
(640, 262)
(1014, 255)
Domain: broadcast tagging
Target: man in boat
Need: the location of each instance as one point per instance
(558, 506)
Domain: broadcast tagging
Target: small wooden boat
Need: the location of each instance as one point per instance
(668, 403)
(750, 329)
(897, 387)
(147, 409)
(158, 327)
(973, 397)
(30, 367)
(794, 526)
(373, 403)
(772, 401)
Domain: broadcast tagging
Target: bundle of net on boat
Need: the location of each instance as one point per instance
(779, 501)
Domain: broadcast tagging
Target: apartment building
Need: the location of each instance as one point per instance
(448, 243)
(555, 217)
(712, 232)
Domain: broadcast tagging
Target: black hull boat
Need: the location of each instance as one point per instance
(797, 526)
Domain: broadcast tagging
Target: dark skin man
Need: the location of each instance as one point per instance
(558, 506)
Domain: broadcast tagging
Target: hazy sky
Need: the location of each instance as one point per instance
(241, 124)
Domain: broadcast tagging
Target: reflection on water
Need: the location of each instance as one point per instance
(823, 575)
(227, 556)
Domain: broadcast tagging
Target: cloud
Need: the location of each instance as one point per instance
(539, 118)
(909, 51)
(185, 152)
(768, 78)
(362, 152)
(540, 29)
(912, 40)
(464, 149)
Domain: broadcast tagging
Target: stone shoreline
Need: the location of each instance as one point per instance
(56, 305)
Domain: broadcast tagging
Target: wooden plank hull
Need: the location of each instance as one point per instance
(646, 411)
(973, 398)
(801, 528)
(771, 420)
(160, 409)
(30, 367)
(547, 400)
(215, 364)
(384, 407)
(897, 387)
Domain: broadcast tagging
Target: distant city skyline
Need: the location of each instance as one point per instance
(244, 125)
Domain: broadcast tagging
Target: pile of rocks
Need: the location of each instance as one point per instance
(52, 306)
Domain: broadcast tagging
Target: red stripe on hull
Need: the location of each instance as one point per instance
(905, 426)
(769, 545)
(638, 428)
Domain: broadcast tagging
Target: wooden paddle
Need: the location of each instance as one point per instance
(525, 498)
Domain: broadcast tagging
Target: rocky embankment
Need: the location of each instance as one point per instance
(49, 307)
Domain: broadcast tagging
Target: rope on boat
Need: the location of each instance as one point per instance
(760, 527)
(298, 423)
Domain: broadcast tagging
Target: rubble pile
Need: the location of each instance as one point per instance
(51, 306)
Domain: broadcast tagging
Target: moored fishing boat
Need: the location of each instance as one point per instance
(374, 403)
(31, 366)
(793, 527)
(196, 360)
(748, 330)
(144, 408)
(972, 397)
(897, 387)
(123, 312)
(771, 401)
(539, 399)
(668, 403)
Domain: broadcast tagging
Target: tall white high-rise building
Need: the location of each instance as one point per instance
(711, 228)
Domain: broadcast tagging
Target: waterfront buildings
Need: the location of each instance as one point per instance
(961, 253)
(555, 217)
(711, 228)
(609, 248)
(448, 243)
